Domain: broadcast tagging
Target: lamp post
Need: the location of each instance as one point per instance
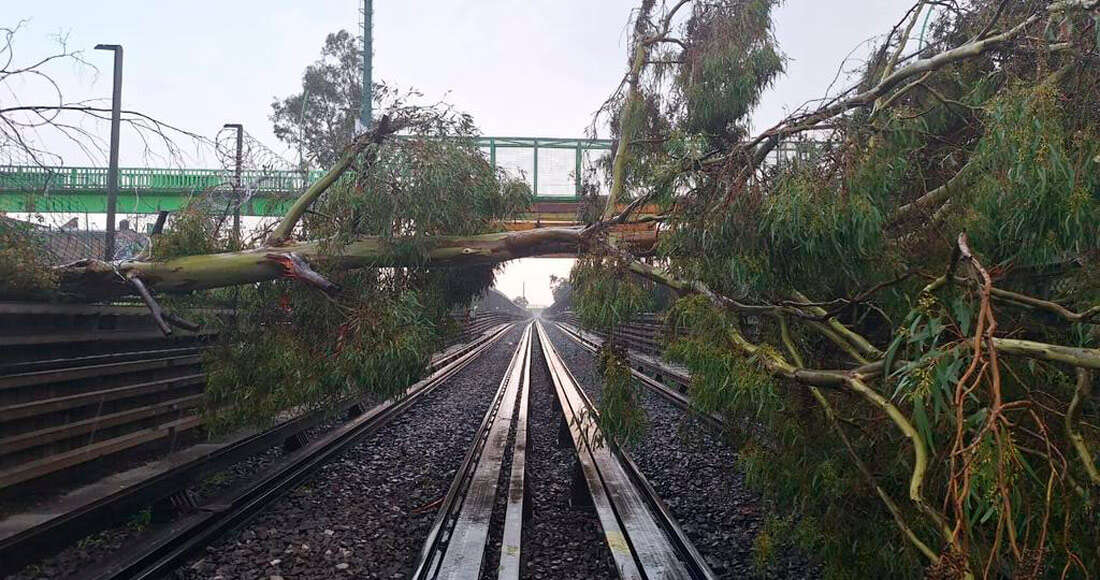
(237, 185)
(112, 171)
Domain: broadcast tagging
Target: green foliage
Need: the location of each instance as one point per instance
(189, 232)
(291, 350)
(622, 417)
(419, 187)
(24, 269)
(1037, 200)
(605, 294)
(828, 226)
(814, 238)
(723, 381)
(729, 58)
(787, 451)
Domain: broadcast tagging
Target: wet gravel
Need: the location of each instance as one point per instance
(560, 540)
(367, 514)
(694, 471)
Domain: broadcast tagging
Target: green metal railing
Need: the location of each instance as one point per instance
(148, 190)
(31, 179)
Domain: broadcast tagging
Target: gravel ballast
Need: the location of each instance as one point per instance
(559, 540)
(367, 514)
(695, 474)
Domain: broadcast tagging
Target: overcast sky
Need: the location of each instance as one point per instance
(520, 67)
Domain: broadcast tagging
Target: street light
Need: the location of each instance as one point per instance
(237, 185)
(112, 171)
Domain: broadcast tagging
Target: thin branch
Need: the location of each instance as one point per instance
(1081, 394)
(282, 232)
(1087, 316)
(969, 50)
(154, 308)
(935, 197)
(834, 423)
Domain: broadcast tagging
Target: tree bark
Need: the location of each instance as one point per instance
(95, 279)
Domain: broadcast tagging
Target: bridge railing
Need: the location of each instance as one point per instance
(31, 179)
(553, 167)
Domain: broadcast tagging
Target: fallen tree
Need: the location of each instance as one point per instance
(921, 281)
(96, 279)
(922, 285)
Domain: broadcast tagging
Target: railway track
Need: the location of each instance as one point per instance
(639, 531)
(457, 541)
(673, 394)
(450, 488)
(160, 554)
(686, 455)
(41, 531)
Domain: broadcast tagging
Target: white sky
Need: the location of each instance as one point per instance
(520, 67)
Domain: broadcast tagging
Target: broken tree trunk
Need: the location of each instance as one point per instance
(95, 279)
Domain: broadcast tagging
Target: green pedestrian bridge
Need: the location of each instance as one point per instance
(36, 189)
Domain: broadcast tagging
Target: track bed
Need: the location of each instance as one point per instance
(365, 515)
(696, 473)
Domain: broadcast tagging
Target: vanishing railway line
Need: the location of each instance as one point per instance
(493, 466)
(640, 534)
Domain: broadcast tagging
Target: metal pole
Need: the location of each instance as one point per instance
(536, 177)
(366, 103)
(112, 171)
(237, 184)
(577, 173)
(302, 138)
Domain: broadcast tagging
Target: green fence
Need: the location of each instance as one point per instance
(553, 168)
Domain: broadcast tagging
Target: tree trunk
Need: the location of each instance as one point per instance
(94, 279)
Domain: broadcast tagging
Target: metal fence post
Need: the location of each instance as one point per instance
(577, 174)
(237, 185)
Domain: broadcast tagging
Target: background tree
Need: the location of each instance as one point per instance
(320, 120)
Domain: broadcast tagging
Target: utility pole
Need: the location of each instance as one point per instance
(237, 185)
(366, 100)
(112, 171)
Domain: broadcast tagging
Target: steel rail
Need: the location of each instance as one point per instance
(33, 534)
(645, 540)
(670, 394)
(512, 538)
(76, 373)
(159, 554)
(92, 359)
(455, 546)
